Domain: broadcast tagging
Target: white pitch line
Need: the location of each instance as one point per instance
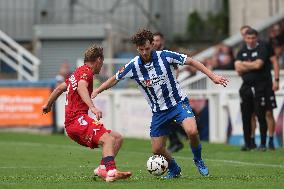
(147, 153)
(239, 162)
(247, 163)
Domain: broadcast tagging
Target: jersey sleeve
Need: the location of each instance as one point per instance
(125, 71)
(239, 56)
(174, 57)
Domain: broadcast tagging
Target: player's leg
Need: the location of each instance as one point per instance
(96, 134)
(260, 110)
(190, 128)
(159, 130)
(118, 141)
(175, 144)
(271, 128)
(108, 153)
(159, 148)
(253, 128)
(270, 105)
(90, 133)
(117, 145)
(247, 109)
(185, 116)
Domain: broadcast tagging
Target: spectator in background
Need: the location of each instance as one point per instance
(200, 108)
(63, 74)
(276, 39)
(276, 33)
(275, 86)
(159, 41)
(253, 64)
(210, 63)
(223, 57)
(243, 30)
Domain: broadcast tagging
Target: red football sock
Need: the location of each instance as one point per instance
(109, 163)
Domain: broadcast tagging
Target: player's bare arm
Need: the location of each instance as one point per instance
(217, 79)
(276, 69)
(106, 85)
(53, 96)
(84, 94)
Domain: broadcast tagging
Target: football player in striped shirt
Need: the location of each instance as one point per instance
(154, 74)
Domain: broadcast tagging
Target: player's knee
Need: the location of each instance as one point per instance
(269, 114)
(108, 139)
(119, 139)
(192, 132)
(158, 150)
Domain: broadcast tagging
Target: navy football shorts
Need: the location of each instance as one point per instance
(160, 125)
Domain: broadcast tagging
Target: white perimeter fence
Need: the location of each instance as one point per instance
(127, 112)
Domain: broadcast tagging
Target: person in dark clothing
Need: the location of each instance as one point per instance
(253, 64)
(275, 86)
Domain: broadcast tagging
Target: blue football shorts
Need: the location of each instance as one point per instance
(160, 125)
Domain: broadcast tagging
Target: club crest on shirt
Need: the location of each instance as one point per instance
(84, 76)
(121, 69)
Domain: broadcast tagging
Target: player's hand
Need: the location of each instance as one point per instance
(97, 112)
(275, 86)
(46, 109)
(217, 79)
(94, 94)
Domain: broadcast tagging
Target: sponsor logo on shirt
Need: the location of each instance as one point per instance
(157, 81)
(73, 82)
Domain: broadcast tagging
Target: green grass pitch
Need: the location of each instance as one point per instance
(54, 161)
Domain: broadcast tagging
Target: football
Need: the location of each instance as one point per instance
(157, 165)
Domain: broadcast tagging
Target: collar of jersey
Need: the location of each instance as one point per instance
(154, 57)
(256, 45)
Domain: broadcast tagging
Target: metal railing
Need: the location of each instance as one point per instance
(18, 58)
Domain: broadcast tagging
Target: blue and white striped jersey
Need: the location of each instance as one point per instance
(156, 79)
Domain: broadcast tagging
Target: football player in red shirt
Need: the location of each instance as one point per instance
(79, 126)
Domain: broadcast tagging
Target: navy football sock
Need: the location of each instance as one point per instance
(172, 165)
(196, 152)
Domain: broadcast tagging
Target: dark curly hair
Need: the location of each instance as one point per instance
(93, 52)
(142, 36)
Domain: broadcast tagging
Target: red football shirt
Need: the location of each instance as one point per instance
(74, 105)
